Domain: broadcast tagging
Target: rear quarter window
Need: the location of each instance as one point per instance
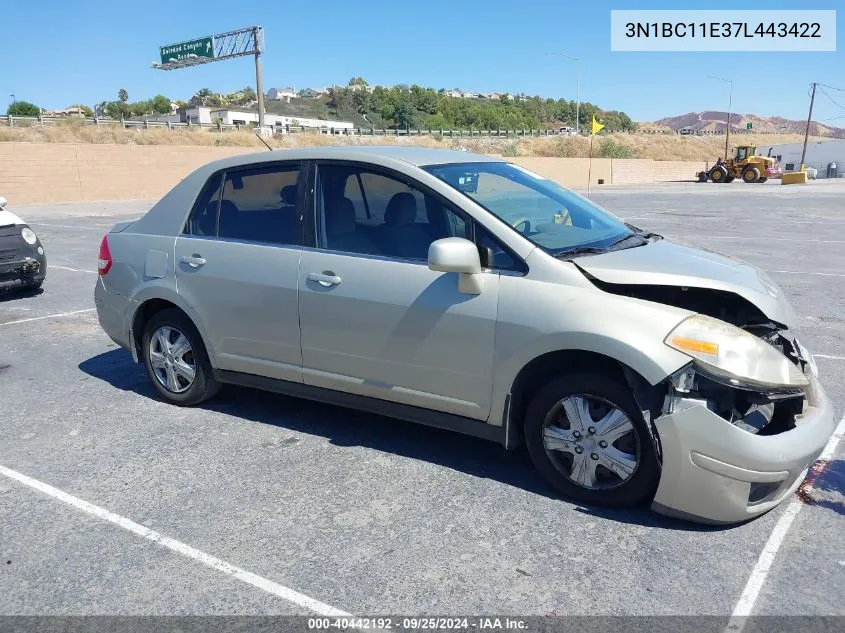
(203, 218)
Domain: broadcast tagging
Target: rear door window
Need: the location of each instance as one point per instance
(260, 205)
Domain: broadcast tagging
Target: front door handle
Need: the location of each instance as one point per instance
(326, 278)
(194, 261)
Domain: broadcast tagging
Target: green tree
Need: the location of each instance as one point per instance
(140, 108)
(116, 109)
(23, 108)
(161, 104)
(122, 95)
(358, 81)
(403, 113)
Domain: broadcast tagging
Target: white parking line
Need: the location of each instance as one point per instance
(711, 218)
(745, 604)
(49, 316)
(806, 272)
(830, 357)
(69, 226)
(76, 270)
(753, 237)
(220, 565)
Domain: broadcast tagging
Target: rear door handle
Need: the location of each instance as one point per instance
(194, 261)
(327, 278)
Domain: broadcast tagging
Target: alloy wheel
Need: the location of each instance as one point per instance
(172, 359)
(592, 442)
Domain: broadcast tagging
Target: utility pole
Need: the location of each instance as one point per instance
(807, 130)
(13, 99)
(259, 84)
(577, 87)
(730, 111)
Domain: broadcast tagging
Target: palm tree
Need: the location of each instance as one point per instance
(122, 95)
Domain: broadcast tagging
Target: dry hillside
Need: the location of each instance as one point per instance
(716, 121)
(620, 145)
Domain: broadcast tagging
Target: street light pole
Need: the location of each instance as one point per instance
(13, 99)
(259, 84)
(730, 108)
(577, 88)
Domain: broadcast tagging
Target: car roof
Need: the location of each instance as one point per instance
(417, 156)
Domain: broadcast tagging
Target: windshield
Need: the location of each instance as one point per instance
(554, 218)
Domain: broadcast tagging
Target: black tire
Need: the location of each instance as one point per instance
(762, 180)
(702, 176)
(204, 386)
(750, 174)
(634, 490)
(719, 173)
(730, 178)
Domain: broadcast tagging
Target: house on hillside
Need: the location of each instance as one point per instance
(469, 95)
(493, 95)
(312, 93)
(457, 94)
(281, 94)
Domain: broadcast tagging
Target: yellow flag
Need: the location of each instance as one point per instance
(596, 126)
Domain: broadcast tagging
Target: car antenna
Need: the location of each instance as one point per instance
(260, 138)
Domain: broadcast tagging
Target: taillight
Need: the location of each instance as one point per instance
(104, 258)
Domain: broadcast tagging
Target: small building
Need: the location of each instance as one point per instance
(281, 94)
(493, 95)
(312, 93)
(469, 95)
(456, 94)
(204, 115)
(821, 155)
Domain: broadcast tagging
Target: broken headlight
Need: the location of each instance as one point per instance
(725, 351)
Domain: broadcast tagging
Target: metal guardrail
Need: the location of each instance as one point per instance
(43, 121)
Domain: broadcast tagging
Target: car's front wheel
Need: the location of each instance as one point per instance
(586, 435)
(176, 360)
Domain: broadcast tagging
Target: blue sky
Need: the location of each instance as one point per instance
(62, 53)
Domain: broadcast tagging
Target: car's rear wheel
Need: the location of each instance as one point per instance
(176, 360)
(586, 435)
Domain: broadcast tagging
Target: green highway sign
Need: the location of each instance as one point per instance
(748, 126)
(200, 47)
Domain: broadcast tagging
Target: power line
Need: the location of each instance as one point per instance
(831, 87)
(831, 99)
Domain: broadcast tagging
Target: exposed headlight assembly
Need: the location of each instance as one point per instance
(728, 352)
(28, 235)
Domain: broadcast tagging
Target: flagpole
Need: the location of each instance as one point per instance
(590, 166)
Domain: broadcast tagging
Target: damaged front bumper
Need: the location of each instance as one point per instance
(21, 264)
(29, 271)
(716, 472)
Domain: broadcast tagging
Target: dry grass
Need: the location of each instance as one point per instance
(658, 147)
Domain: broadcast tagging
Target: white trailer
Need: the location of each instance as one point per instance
(820, 156)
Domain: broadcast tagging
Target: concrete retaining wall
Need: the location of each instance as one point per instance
(42, 172)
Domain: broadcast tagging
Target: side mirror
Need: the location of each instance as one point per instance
(457, 255)
(2, 202)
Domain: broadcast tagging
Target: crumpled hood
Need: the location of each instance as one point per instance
(663, 263)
